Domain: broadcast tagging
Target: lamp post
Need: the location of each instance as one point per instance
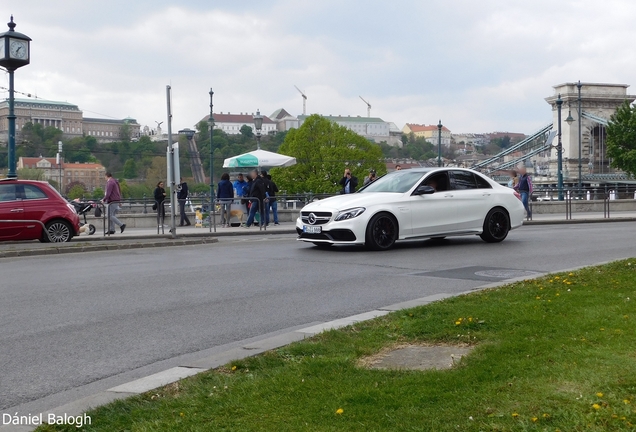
(578, 86)
(258, 123)
(59, 161)
(15, 51)
(211, 121)
(559, 102)
(439, 144)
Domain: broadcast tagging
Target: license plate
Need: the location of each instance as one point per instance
(312, 229)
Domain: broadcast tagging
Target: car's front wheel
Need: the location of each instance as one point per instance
(58, 231)
(382, 232)
(496, 226)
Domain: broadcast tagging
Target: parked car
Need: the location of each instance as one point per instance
(413, 204)
(26, 201)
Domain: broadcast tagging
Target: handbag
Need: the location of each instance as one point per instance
(98, 211)
(154, 206)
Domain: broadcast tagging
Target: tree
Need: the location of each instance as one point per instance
(246, 131)
(77, 191)
(158, 171)
(98, 193)
(621, 138)
(31, 174)
(130, 169)
(322, 150)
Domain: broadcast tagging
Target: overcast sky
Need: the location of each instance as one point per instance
(478, 65)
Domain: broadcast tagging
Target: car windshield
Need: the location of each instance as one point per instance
(397, 181)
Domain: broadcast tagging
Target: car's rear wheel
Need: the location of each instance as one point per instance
(382, 232)
(58, 231)
(496, 226)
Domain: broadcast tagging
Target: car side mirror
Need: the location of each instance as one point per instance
(424, 190)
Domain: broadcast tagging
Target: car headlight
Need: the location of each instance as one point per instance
(71, 207)
(350, 213)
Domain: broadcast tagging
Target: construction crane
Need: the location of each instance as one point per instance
(368, 106)
(304, 100)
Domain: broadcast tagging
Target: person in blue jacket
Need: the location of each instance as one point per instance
(225, 194)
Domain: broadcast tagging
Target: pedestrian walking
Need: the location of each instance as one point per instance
(524, 186)
(182, 197)
(257, 190)
(241, 189)
(273, 205)
(112, 198)
(348, 182)
(160, 197)
(225, 193)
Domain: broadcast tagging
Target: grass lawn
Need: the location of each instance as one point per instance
(555, 353)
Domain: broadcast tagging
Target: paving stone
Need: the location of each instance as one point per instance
(421, 358)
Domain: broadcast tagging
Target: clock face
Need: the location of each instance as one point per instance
(18, 49)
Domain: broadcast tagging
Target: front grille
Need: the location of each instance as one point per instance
(333, 235)
(321, 217)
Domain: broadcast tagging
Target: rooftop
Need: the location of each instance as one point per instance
(355, 119)
(236, 118)
(39, 102)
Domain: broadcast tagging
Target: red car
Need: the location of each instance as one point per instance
(29, 201)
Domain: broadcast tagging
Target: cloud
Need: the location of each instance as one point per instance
(478, 66)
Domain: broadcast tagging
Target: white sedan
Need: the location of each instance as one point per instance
(413, 204)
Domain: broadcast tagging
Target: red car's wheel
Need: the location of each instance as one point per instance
(58, 231)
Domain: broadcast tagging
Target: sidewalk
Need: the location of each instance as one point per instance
(135, 238)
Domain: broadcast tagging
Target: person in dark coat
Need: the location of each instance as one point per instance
(349, 182)
(160, 197)
(257, 191)
(225, 194)
(273, 205)
(182, 196)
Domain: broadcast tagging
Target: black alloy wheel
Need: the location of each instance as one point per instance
(496, 226)
(382, 232)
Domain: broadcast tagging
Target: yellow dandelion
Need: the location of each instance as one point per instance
(557, 277)
(602, 329)
(596, 406)
(339, 411)
(545, 415)
(569, 283)
(550, 281)
(558, 294)
(515, 415)
(470, 319)
(599, 394)
(233, 368)
(534, 419)
(571, 274)
(623, 418)
(538, 297)
(458, 322)
(626, 401)
(614, 416)
(182, 414)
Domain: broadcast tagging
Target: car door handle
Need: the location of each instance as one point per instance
(17, 210)
(486, 194)
(448, 195)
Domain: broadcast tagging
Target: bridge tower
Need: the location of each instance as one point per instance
(598, 103)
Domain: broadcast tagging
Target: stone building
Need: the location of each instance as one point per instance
(430, 133)
(91, 175)
(64, 116)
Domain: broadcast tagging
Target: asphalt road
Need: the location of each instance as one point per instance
(74, 324)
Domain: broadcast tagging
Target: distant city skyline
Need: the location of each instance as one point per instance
(478, 66)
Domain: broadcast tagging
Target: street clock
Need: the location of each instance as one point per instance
(15, 48)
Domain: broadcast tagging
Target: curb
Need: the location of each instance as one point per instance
(76, 248)
(187, 369)
(578, 221)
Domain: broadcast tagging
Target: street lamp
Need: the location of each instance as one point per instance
(15, 52)
(559, 102)
(578, 86)
(258, 123)
(59, 161)
(211, 120)
(439, 144)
